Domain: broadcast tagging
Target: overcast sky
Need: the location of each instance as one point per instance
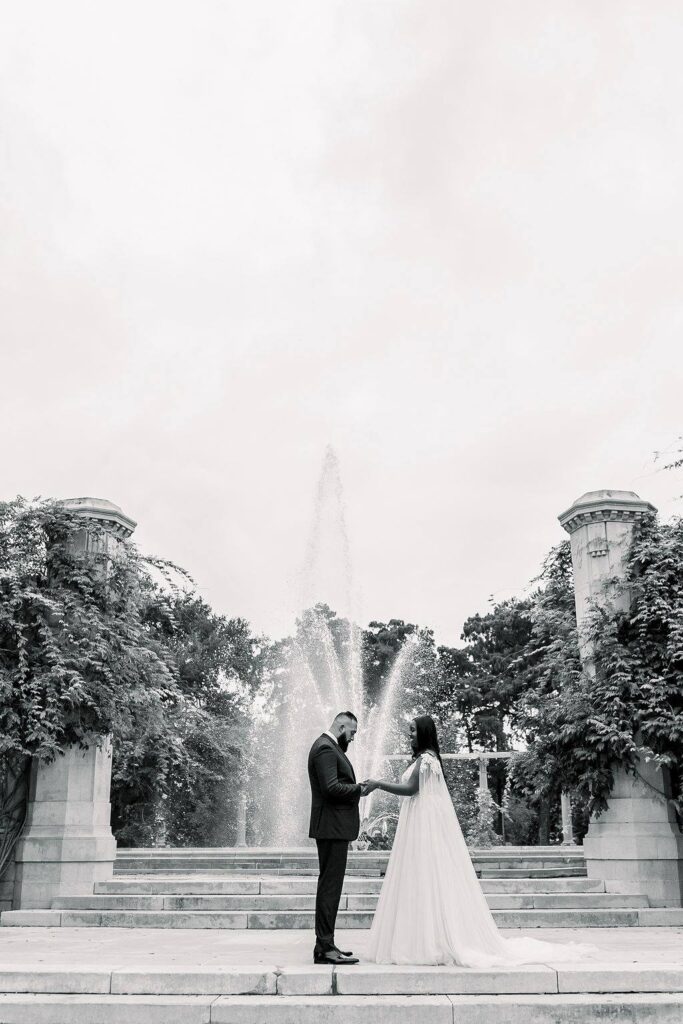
(444, 237)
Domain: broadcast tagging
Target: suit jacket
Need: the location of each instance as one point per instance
(334, 792)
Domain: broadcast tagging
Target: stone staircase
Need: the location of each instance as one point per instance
(263, 994)
(249, 972)
(273, 889)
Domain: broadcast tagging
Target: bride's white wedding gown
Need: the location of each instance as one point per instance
(431, 909)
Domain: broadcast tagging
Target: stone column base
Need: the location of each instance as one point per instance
(636, 845)
(67, 844)
(7, 887)
(47, 869)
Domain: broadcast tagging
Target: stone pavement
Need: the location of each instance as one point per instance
(119, 976)
(111, 947)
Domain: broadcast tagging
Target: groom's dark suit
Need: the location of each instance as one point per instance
(335, 821)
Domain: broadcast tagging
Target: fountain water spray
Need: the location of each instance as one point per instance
(383, 717)
(319, 673)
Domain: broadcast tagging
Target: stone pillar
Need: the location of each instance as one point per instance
(567, 827)
(241, 820)
(67, 844)
(635, 846)
(483, 774)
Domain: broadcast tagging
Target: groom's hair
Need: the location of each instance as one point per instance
(345, 714)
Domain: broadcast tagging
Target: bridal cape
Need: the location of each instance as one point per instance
(431, 909)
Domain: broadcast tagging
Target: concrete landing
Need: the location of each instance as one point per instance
(143, 947)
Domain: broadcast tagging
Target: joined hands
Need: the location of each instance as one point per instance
(368, 786)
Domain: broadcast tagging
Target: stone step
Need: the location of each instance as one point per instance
(498, 858)
(566, 1008)
(178, 856)
(361, 980)
(524, 861)
(559, 872)
(27, 1008)
(237, 873)
(260, 865)
(364, 856)
(295, 903)
(593, 977)
(189, 885)
(578, 883)
(452, 1009)
(274, 919)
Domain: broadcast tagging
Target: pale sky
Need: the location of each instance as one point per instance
(443, 237)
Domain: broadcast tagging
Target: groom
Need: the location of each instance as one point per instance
(335, 821)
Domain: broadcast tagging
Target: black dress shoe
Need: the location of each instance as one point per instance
(334, 958)
(341, 951)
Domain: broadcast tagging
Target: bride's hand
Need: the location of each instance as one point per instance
(370, 785)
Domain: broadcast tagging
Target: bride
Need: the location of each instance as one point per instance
(431, 909)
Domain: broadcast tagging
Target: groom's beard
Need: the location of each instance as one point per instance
(343, 742)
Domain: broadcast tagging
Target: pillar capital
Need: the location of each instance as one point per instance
(603, 507)
(111, 516)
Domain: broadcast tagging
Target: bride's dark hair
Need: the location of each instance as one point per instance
(426, 736)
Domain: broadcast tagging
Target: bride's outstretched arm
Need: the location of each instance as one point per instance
(408, 788)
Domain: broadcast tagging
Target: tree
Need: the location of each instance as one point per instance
(490, 693)
(77, 659)
(382, 642)
(581, 726)
(108, 643)
(217, 675)
(547, 666)
(456, 698)
(491, 684)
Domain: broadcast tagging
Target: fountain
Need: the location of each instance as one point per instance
(316, 674)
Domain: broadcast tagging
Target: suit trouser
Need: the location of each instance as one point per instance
(332, 854)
